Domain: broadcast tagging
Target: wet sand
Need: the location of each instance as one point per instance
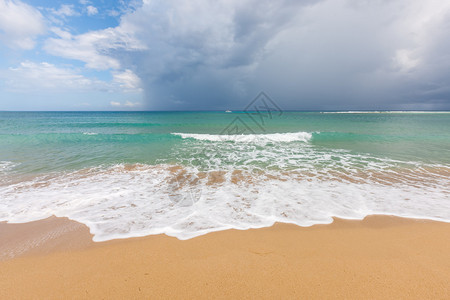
(380, 257)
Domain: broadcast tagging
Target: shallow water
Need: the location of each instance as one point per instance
(189, 173)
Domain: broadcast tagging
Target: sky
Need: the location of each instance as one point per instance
(217, 55)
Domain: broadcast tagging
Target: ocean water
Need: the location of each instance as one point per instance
(127, 174)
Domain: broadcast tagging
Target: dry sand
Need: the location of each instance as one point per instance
(379, 257)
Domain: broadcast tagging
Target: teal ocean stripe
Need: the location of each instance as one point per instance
(146, 137)
(189, 173)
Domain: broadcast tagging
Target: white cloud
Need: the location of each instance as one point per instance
(127, 104)
(127, 80)
(61, 33)
(113, 13)
(132, 104)
(404, 60)
(94, 47)
(65, 10)
(91, 10)
(30, 76)
(20, 23)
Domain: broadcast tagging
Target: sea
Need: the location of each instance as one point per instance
(185, 174)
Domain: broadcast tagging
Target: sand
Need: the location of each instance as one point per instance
(380, 257)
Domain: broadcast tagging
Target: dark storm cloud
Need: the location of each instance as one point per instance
(202, 55)
(323, 54)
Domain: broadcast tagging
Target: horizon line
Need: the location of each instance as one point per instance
(237, 111)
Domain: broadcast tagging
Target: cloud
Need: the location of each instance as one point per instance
(127, 80)
(65, 10)
(95, 48)
(20, 24)
(127, 104)
(200, 53)
(91, 10)
(132, 104)
(30, 77)
(318, 54)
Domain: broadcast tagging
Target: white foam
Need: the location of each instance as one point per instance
(123, 201)
(6, 166)
(258, 138)
(90, 133)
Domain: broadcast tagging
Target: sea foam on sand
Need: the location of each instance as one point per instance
(136, 200)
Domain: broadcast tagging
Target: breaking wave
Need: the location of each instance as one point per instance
(124, 201)
(246, 138)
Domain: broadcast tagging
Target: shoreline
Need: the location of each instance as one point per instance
(378, 257)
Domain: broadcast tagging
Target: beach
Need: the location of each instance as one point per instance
(186, 174)
(224, 149)
(105, 205)
(380, 257)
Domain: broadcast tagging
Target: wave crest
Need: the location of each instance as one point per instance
(123, 201)
(264, 138)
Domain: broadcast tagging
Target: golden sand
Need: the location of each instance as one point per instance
(380, 257)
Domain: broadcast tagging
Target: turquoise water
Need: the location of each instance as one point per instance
(47, 141)
(171, 169)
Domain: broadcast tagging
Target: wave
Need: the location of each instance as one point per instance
(7, 165)
(6, 168)
(270, 137)
(124, 201)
